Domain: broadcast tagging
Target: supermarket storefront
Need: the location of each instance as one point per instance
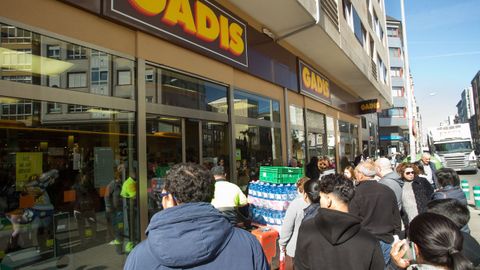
(94, 109)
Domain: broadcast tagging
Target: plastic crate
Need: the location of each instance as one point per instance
(161, 171)
(280, 175)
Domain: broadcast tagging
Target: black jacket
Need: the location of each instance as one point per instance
(423, 192)
(375, 204)
(471, 249)
(335, 240)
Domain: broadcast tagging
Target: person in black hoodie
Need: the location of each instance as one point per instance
(334, 233)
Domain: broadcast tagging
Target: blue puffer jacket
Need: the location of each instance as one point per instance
(450, 192)
(196, 236)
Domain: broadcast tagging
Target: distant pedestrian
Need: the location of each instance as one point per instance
(190, 233)
(449, 186)
(416, 192)
(390, 178)
(311, 170)
(430, 169)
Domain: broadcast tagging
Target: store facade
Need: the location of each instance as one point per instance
(95, 109)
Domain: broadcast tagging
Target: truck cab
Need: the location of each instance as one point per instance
(452, 145)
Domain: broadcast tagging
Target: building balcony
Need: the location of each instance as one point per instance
(318, 30)
(393, 122)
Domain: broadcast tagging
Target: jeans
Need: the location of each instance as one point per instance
(386, 247)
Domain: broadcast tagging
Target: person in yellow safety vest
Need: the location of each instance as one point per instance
(228, 197)
(129, 191)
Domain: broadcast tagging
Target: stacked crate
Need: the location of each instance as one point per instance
(270, 196)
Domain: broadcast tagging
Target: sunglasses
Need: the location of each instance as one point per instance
(408, 173)
(163, 194)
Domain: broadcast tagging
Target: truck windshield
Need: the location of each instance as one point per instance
(453, 147)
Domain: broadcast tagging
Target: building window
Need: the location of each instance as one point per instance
(53, 51)
(347, 13)
(396, 72)
(76, 52)
(73, 108)
(358, 29)
(395, 52)
(54, 81)
(20, 59)
(398, 91)
(393, 32)
(54, 107)
(77, 79)
(99, 77)
(19, 78)
(254, 106)
(12, 34)
(394, 113)
(364, 122)
(124, 77)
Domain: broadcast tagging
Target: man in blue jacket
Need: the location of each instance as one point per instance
(190, 233)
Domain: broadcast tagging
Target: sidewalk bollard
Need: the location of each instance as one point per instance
(476, 196)
(466, 188)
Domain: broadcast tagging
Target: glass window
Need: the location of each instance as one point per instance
(316, 134)
(331, 153)
(256, 146)
(189, 92)
(358, 28)
(151, 84)
(215, 145)
(164, 149)
(297, 135)
(69, 187)
(77, 80)
(348, 141)
(395, 52)
(20, 48)
(76, 52)
(124, 77)
(254, 106)
(396, 72)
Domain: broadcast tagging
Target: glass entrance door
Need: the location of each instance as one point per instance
(172, 140)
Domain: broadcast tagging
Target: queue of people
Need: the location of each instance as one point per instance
(352, 220)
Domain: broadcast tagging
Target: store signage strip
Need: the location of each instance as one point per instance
(198, 23)
(313, 83)
(369, 106)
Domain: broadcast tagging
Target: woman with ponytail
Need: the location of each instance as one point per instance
(333, 238)
(436, 242)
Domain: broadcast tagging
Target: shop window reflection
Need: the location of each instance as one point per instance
(68, 184)
(256, 146)
(28, 57)
(253, 106)
(164, 149)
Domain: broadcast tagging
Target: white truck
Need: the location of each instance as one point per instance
(452, 145)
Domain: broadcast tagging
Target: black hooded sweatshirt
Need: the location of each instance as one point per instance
(335, 240)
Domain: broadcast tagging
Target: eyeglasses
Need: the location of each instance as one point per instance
(408, 173)
(163, 194)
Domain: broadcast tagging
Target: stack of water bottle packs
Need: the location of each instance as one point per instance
(270, 196)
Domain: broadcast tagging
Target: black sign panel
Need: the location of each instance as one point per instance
(197, 24)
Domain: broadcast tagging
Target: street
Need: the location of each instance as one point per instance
(474, 224)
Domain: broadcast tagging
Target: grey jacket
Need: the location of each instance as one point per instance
(291, 224)
(395, 183)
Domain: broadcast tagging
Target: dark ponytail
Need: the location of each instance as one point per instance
(439, 241)
(312, 190)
